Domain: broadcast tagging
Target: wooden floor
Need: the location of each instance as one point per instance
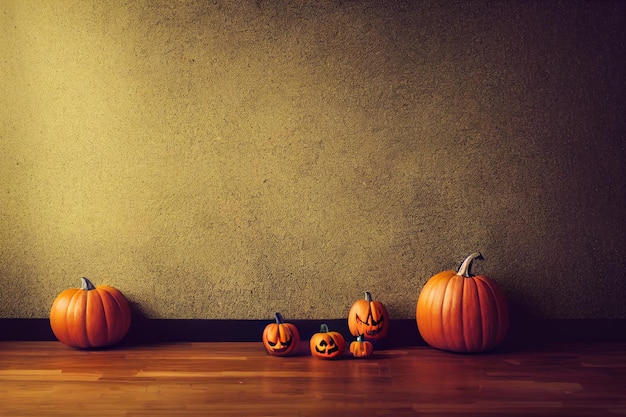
(47, 379)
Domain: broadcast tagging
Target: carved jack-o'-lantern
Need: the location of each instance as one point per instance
(280, 338)
(368, 318)
(327, 344)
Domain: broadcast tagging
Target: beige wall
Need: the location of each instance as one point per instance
(214, 161)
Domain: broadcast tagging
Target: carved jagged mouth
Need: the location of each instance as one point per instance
(283, 347)
(373, 332)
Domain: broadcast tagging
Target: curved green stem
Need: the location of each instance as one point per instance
(86, 284)
(324, 328)
(279, 318)
(464, 269)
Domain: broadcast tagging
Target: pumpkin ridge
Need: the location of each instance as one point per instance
(76, 309)
(437, 319)
(461, 313)
(124, 308)
(474, 341)
(442, 316)
(109, 300)
(431, 296)
(109, 316)
(503, 310)
(500, 326)
(454, 326)
(480, 301)
(122, 312)
(96, 320)
(425, 326)
(66, 321)
(58, 314)
(490, 332)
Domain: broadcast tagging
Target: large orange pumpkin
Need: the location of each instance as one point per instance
(368, 318)
(460, 312)
(90, 316)
(280, 338)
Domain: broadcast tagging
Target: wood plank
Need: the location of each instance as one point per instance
(240, 379)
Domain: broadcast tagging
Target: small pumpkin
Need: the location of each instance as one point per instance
(369, 318)
(326, 344)
(280, 338)
(361, 348)
(90, 316)
(461, 312)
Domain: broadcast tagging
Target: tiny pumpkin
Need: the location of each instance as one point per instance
(461, 312)
(280, 338)
(90, 316)
(361, 348)
(326, 344)
(369, 318)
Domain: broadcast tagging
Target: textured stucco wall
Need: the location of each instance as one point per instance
(218, 159)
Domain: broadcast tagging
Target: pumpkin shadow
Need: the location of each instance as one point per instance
(374, 356)
(302, 349)
(141, 330)
(150, 331)
(525, 330)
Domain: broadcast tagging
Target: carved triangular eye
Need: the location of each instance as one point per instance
(360, 321)
(321, 347)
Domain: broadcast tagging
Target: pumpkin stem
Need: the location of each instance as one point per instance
(359, 338)
(86, 284)
(464, 269)
(324, 328)
(279, 318)
(368, 296)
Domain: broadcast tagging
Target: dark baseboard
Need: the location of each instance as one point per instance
(146, 331)
(403, 332)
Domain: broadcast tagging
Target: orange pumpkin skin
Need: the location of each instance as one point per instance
(90, 316)
(361, 348)
(368, 318)
(327, 344)
(459, 312)
(280, 338)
